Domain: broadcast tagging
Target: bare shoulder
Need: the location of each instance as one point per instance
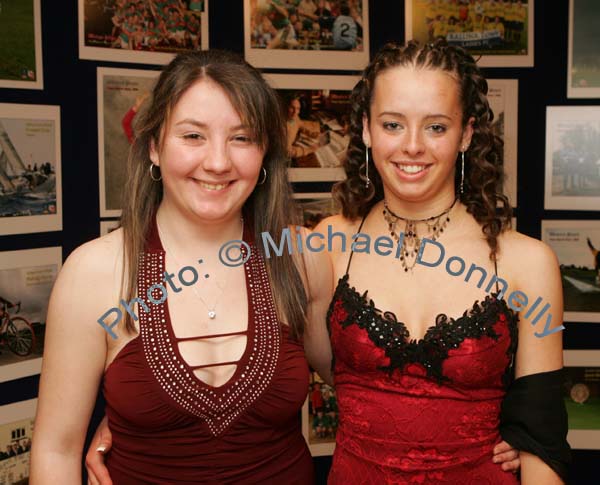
(97, 257)
(524, 255)
(92, 272)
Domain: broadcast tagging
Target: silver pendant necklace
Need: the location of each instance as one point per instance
(212, 313)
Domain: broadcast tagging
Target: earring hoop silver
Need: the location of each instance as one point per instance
(368, 181)
(152, 173)
(462, 174)
(264, 179)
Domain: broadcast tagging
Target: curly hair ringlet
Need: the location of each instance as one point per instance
(484, 173)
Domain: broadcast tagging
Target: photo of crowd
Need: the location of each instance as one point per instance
(144, 25)
(322, 411)
(307, 24)
(482, 26)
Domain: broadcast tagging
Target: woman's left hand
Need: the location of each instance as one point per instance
(507, 456)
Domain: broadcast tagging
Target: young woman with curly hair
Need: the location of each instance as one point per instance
(427, 389)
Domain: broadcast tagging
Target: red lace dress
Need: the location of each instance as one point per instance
(169, 427)
(419, 412)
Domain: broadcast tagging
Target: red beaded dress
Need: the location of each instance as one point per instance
(169, 427)
(419, 412)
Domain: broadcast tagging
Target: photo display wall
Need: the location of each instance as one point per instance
(70, 96)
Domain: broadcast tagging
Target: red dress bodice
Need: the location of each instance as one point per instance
(169, 427)
(419, 412)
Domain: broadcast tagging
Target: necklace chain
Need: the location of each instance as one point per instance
(212, 314)
(411, 241)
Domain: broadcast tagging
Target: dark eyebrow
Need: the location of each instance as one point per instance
(401, 115)
(200, 124)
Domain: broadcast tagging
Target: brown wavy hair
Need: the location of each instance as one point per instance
(269, 207)
(484, 173)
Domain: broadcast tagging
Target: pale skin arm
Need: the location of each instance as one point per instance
(319, 274)
(73, 363)
(539, 275)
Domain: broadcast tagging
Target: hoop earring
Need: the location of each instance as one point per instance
(264, 179)
(152, 173)
(368, 182)
(462, 174)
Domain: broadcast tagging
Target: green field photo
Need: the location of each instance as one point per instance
(17, 40)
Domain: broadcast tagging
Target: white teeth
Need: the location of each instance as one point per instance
(411, 168)
(212, 186)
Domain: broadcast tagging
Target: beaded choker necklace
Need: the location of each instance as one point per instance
(412, 241)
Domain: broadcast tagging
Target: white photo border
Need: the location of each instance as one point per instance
(307, 59)
(100, 73)
(128, 55)
(39, 63)
(583, 439)
(308, 82)
(43, 222)
(18, 259)
(555, 114)
(498, 60)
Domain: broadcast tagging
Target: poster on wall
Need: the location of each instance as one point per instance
(582, 398)
(307, 34)
(583, 76)
(577, 247)
(26, 279)
(108, 226)
(318, 119)
(503, 96)
(121, 93)
(572, 158)
(16, 433)
(30, 169)
(145, 31)
(320, 417)
(313, 207)
(499, 33)
(21, 44)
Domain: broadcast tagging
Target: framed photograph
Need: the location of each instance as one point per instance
(21, 45)
(583, 77)
(145, 31)
(108, 226)
(30, 169)
(503, 96)
(318, 112)
(582, 398)
(572, 160)
(498, 32)
(307, 35)
(26, 279)
(315, 206)
(577, 247)
(121, 93)
(16, 432)
(320, 417)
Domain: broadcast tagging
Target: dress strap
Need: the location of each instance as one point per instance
(352, 252)
(496, 272)
(215, 335)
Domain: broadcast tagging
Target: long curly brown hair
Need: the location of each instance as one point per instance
(484, 173)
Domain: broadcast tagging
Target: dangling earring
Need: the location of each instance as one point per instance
(152, 173)
(264, 179)
(367, 169)
(462, 172)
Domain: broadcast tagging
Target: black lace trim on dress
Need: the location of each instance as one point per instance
(387, 333)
